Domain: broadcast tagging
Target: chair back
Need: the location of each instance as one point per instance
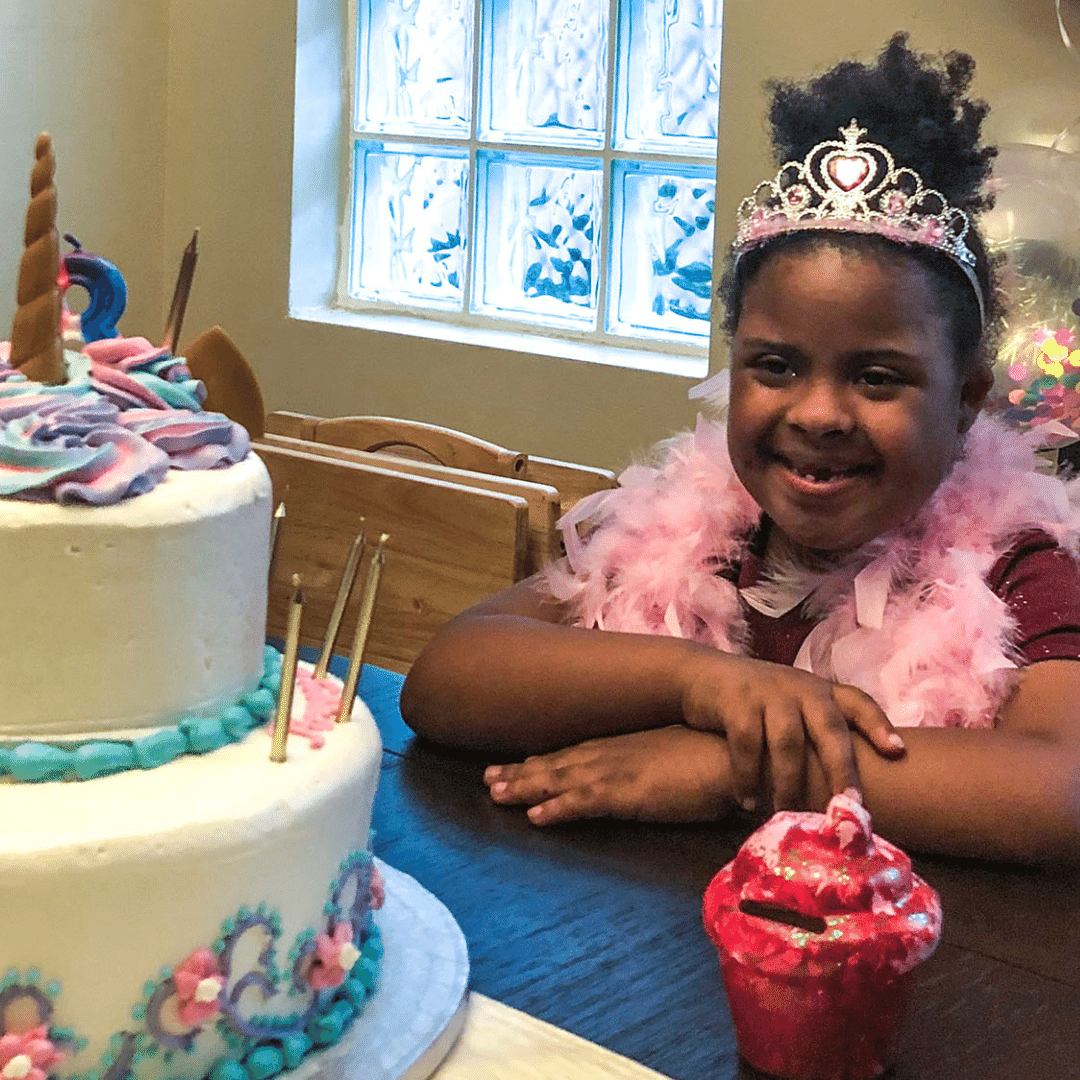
(543, 499)
(450, 546)
(410, 438)
(446, 447)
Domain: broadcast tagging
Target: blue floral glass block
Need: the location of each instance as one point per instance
(414, 66)
(667, 96)
(409, 218)
(543, 72)
(660, 282)
(537, 230)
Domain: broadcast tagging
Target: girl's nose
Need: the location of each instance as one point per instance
(820, 407)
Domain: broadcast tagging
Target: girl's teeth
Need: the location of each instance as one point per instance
(823, 476)
(820, 475)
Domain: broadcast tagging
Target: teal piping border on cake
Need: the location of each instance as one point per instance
(42, 762)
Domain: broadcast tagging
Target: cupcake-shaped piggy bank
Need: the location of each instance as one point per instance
(820, 925)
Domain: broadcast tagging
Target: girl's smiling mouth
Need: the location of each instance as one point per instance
(817, 477)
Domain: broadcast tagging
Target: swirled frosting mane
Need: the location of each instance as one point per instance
(128, 413)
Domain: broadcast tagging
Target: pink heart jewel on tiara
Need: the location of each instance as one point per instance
(848, 172)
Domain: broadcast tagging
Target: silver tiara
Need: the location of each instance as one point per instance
(855, 186)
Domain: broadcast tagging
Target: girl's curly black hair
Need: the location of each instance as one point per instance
(916, 105)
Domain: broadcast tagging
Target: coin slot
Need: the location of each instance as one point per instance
(774, 913)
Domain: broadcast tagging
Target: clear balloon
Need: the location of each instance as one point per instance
(1035, 228)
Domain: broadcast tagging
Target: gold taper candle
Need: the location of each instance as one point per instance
(181, 291)
(348, 576)
(363, 626)
(275, 522)
(288, 674)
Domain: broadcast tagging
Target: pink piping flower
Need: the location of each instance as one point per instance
(335, 956)
(198, 985)
(28, 1055)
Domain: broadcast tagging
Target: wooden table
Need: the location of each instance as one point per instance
(596, 928)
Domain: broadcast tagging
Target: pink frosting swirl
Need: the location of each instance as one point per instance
(128, 412)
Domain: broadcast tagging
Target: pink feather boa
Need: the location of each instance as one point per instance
(909, 618)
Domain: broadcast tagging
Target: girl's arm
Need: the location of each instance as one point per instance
(1012, 792)
(1008, 793)
(507, 677)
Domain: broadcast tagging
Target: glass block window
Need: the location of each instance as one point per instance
(409, 222)
(544, 165)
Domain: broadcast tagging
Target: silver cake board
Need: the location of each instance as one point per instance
(417, 1012)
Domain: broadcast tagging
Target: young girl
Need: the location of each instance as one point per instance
(749, 622)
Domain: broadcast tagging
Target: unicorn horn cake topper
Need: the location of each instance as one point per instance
(36, 342)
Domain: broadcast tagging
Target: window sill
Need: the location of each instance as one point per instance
(687, 366)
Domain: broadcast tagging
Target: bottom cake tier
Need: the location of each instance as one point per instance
(208, 918)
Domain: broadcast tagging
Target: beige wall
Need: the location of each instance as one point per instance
(92, 73)
(174, 114)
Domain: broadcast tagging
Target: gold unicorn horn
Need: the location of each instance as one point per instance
(37, 347)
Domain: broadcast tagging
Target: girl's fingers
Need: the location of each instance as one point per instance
(572, 805)
(827, 727)
(525, 784)
(745, 743)
(785, 737)
(865, 716)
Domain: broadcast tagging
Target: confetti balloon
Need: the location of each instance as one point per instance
(1035, 226)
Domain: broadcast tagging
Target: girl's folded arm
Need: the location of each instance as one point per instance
(1011, 792)
(507, 676)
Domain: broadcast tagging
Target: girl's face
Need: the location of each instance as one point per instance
(847, 407)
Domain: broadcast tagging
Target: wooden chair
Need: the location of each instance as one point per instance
(542, 499)
(443, 446)
(450, 546)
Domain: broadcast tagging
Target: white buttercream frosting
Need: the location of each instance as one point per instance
(103, 884)
(126, 617)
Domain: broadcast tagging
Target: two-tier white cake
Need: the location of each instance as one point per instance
(174, 904)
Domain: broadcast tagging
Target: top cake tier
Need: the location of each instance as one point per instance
(119, 619)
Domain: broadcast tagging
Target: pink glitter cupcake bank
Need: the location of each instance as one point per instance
(820, 925)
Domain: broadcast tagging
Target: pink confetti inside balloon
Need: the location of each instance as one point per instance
(1018, 373)
(1015, 396)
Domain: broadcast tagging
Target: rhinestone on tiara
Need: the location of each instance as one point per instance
(855, 186)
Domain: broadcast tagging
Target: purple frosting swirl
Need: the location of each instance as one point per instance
(192, 440)
(127, 414)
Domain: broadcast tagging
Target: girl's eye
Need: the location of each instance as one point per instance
(775, 367)
(880, 378)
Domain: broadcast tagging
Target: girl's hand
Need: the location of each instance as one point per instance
(771, 715)
(665, 774)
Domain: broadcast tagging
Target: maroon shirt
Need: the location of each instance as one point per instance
(1037, 579)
